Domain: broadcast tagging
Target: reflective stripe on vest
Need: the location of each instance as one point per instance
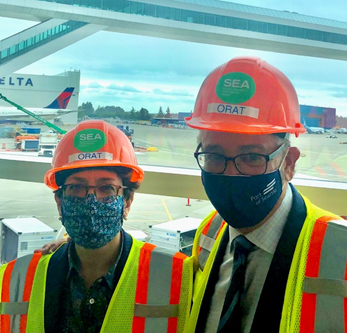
(158, 290)
(15, 293)
(157, 293)
(324, 302)
(208, 237)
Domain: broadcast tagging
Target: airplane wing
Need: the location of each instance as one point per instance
(63, 112)
(21, 115)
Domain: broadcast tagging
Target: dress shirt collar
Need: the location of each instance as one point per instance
(268, 235)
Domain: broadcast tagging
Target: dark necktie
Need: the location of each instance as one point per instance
(230, 320)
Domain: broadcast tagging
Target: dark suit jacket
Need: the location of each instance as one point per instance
(268, 314)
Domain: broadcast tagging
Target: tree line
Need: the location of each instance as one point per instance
(87, 109)
(341, 121)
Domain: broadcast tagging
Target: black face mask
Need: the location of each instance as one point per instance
(243, 201)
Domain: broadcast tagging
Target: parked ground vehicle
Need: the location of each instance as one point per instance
(128, 132)
(48, 143)
(176, 235)
(23, 235)
(30, 145)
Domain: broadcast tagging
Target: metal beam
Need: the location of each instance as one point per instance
(186, 31)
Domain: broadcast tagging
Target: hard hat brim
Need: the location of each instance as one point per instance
(50, 181)
(218, 126)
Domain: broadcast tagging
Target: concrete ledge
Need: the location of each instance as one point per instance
(185, 183)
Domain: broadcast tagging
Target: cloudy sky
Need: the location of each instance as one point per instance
(136, 71)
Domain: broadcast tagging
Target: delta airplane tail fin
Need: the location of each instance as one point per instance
(62, 100)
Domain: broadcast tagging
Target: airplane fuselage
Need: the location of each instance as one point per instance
(54, 109)
(317, 130)
(10, 113)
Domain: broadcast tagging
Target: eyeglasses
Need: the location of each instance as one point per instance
(101, 191)
(247, 164)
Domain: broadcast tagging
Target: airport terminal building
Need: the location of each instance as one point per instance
(318, 116)
(312, 116)
(38, 91)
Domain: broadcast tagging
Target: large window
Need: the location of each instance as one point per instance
(227, 21)
(166, 147)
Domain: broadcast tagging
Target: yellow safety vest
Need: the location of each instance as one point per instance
(153, 294)
(306, 289)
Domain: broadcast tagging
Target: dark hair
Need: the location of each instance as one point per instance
(123, 172)
(280, 135)
(284, 136)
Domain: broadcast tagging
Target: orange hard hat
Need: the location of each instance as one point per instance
(249, 96)
(93, 143)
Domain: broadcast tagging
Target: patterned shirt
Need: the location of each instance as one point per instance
(86, 308)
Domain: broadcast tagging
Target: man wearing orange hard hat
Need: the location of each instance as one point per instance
(269, 260)
(103, 280)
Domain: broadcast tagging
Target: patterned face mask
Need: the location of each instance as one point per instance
(92, 223)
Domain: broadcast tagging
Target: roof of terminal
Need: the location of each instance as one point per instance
(267, 12)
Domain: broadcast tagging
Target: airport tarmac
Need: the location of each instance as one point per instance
(33, 199)
(320, 156)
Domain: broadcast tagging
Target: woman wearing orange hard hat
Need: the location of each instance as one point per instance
(260, 250)
(93, 144)
(103, 280)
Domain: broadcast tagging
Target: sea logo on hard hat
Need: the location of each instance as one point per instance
(89, 140)
(235, 88)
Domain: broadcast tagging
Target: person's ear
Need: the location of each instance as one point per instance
(290, 161)
(57, 199)
(127, 205)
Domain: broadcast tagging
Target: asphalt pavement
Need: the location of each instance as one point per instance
(19, 198)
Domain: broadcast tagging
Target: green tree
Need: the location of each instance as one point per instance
(114, 111)
(160, 113)
(86, 109)
(110, 112)
(168, 114)
(144, 114)
(132, 113)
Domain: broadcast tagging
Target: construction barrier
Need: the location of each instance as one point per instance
(152, 149)
(144, 149)
(140, 149)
